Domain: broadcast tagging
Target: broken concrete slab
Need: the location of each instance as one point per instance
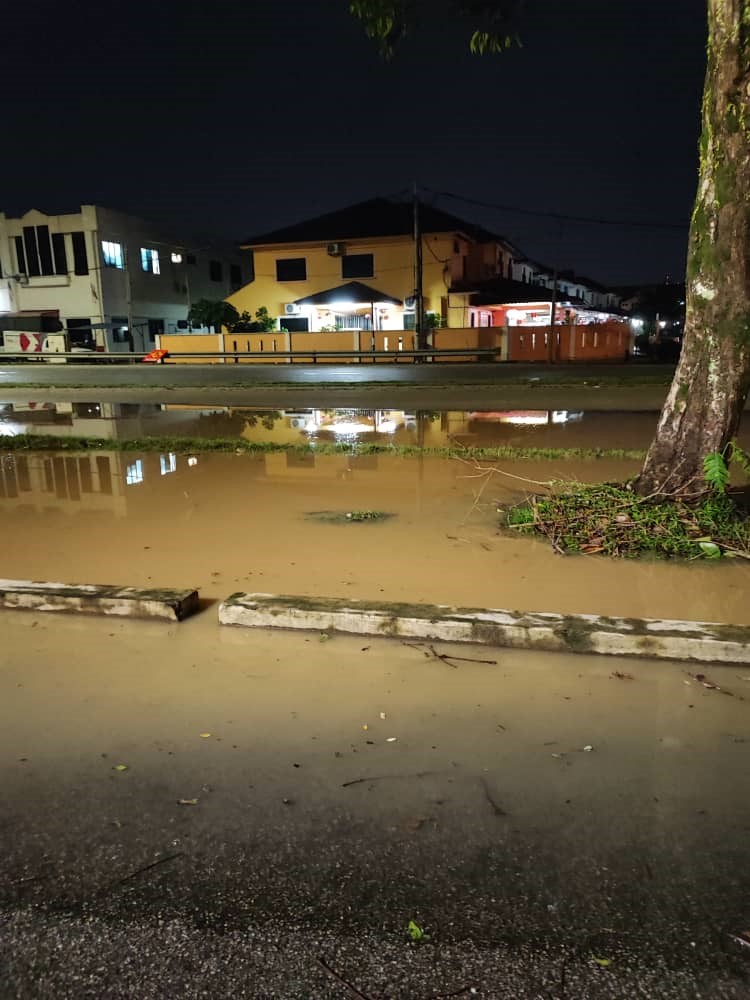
(97, 599)
(699, 642)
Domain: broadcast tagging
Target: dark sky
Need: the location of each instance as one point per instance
(232, 117)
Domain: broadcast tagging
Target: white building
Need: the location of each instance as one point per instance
(102, 273)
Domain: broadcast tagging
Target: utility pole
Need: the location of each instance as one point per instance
(418, 297)
(129, 301)
(551, 353)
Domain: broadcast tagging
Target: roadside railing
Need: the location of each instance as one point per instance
(263, 357)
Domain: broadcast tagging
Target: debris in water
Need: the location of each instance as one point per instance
(622, 676)
(743, 938)
(382, 715)
(120, 767)
(415, 823)
(204, 736)
(391, 739)
(187, 802)
(365, 727)
(588, 748)
(603, 963)
(348, 516)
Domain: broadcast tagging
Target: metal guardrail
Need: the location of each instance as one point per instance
(270, 357)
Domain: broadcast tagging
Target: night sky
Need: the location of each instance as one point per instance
(232, 118)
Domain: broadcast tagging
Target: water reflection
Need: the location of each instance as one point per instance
(431, 428)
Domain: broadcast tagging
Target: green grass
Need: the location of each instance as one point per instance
(198, 445)
(612, 520)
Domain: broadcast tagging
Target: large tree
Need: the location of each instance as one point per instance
(705, 402)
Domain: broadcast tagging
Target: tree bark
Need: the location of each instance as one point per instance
(705, 402)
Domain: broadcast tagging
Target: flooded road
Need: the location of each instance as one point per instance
(195, 811)
(539, 428)
(226, 522)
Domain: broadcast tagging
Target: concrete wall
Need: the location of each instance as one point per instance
(593, 342)
(276, 341)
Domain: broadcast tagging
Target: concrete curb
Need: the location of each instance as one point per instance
(699, 642)
(93, 599)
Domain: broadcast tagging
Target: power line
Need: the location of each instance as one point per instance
(587, 220)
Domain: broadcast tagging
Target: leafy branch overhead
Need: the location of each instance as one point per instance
(388, 22)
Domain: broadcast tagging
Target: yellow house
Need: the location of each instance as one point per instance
(354, 269)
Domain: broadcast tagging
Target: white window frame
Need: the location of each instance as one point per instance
(113, 254)
(150, 260)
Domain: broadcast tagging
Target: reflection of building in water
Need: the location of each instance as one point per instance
(105, 420)
(69, 483)
(529, 418)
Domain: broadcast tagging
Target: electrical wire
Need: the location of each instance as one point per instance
(561, 216)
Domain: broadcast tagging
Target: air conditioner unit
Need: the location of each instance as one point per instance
(410, 302)
(298, 422)
(336, 249)
(292, 309)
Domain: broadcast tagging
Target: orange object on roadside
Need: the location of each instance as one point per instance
(156, 357)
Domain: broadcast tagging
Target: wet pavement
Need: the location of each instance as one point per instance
(191, 811)
(202, 812)
(438, 386)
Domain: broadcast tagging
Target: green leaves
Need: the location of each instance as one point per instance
(416, 933)
(387, 22)
(716, 472)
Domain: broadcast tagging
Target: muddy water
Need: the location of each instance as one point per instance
(543, 428)
(238, 522)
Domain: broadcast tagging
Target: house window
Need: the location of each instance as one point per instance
(32, 254)
(155, 326)
(80, 257)
(291, 269)
(357, 265)
(113, 256)
(59, 253)
(20, 255)
(168, 463)
(134, 473)
(150, 260)
(410, 321)
(235, 276)
(120, 329)
(214, 270)
(80, 333)
(34, 251)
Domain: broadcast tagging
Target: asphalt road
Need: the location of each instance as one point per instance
(228, 375)
(432, 387)
(194, 812)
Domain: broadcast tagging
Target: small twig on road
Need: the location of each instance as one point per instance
(344, 982)
(496, 809)
(146, 868)
(385, 777)
(444, 657)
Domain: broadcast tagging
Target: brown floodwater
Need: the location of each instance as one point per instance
(228, 522)
(542, 428)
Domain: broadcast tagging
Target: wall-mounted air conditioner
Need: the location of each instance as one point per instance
(336, 249)
(292, 309)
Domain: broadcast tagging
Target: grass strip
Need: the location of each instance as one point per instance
(200, 445)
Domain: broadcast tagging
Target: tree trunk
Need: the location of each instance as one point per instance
(705, 402)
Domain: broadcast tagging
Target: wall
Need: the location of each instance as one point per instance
(343, 341)
(71, 295)
(592, 342)
(208, 342)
